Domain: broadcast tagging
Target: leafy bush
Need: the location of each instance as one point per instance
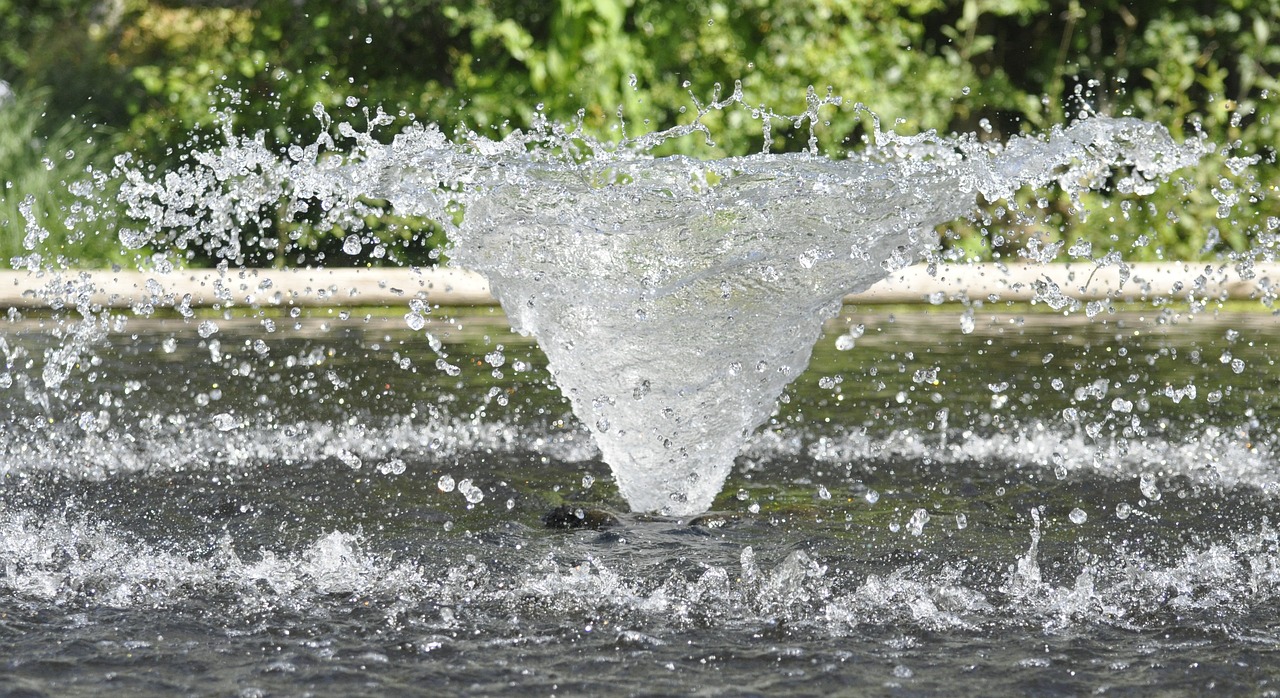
(155, 72)
(50, 204)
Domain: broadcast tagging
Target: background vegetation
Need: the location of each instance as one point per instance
(88, 80)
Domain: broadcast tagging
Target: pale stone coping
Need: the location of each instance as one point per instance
(1055, 284)
(1051, 283)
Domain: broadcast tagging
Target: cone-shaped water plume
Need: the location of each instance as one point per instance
(676, 298)
(673, 325)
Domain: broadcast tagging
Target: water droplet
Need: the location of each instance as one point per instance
(1059, 465)
(919, 518)
(1078, 516)
(395, 466)
(823, 492)
(872, 496)
(446, 483)
(1123, 510)
(352, 245)
(962, 521)
(470, 491)
(350, 459)
(927, 376)
(1147, 484)
(207, 328)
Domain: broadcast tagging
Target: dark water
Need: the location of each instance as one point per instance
(1047, 505)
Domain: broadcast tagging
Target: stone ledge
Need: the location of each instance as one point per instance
(1048, 283)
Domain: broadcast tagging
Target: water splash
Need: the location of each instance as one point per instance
(77, 564)
(674, 297)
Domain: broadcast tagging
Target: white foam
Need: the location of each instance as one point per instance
(78, 564)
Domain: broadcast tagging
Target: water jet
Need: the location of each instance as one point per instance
(676, 298)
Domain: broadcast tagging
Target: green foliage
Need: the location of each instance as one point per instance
(38, 174)
(152, 72)
(32, 25)
(1199, 73)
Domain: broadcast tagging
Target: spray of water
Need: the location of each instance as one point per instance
(674, 297)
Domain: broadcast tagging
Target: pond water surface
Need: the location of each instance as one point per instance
(1042, 505)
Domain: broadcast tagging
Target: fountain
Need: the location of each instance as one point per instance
(674, 311)
(674, 298)
(350, 499)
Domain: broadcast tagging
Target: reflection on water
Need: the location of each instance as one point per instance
(1032, 503)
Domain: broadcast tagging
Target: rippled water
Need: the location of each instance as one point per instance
(1046, 505)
